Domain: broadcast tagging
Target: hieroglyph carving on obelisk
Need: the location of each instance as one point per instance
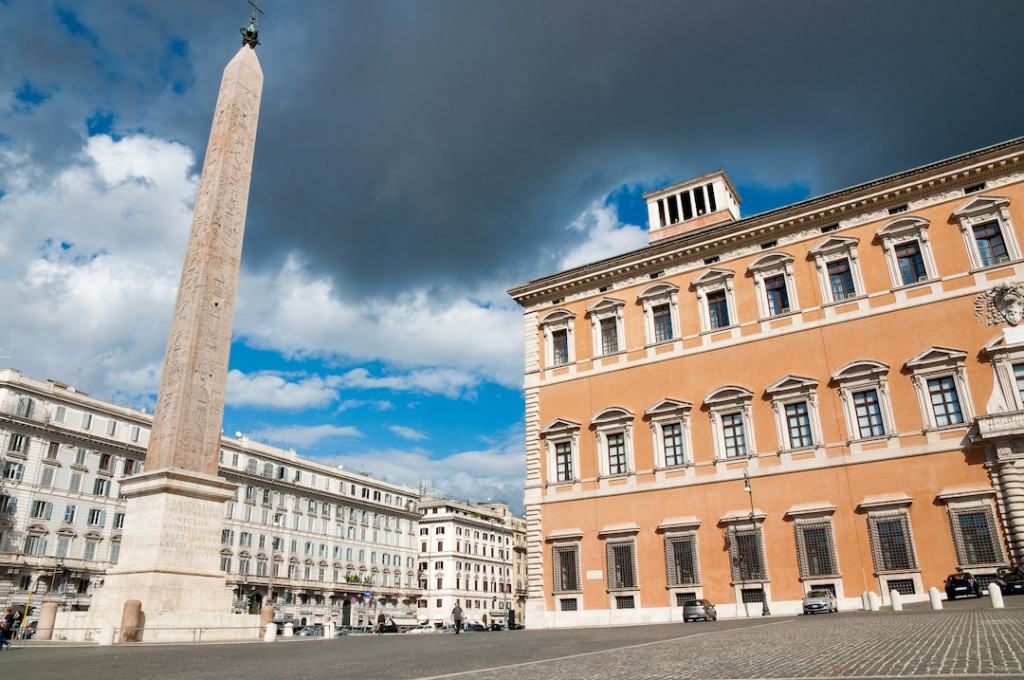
(190, 407)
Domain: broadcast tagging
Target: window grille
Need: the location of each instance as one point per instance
(903, 586)
(624, 602)
(746, 555)
(830, 587)
(975, 536)
(568, 604)
(683, 598)
(891, 542)
(565, 561)
(816, 549)
(752, 595)
(681, 560)
(621, 565)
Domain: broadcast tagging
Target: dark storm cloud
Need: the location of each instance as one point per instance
(447, 144)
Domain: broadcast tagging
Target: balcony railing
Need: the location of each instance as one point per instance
(35, 412)
(998, 425)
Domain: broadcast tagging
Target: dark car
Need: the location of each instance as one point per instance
(699, 609)
(1010, 581)
(474, 628)
(962, 584)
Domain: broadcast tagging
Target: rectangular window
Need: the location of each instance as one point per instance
(52, 450)
(75, 482)
(609, 336)
(13, 471)
(698, 200)
(560, 346)
(17, 443)
(616, 453)
(681, 560)
(778, 295)
(718, 310)
(46, 478)
(683, 598)
(625, 602)
(816, 552)
(975, 536)
(891, 545)
(746, 550)
(63, 545)
(41, 509)
(61, 414)
(869, 414)
(1018, 376)
(563, 461)
(568, 604)
(35, 545)
(798, 424)
(89, 553)
(662, 323)
(621, 566)
(945, 401)
(101, 487)
(911, 263)
(672, 438)
(733, 435)
(106, 462)
(134, 433)
(991, 247)
(115, 552)
(840, 280)
(129, 467)
(86, 421)
(118, 520)
(96, 517)
(8, 504)
(111, 427)
(903, 586)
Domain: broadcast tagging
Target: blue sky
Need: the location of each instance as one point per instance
(415, 160)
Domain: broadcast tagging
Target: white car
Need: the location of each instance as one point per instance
(421, 629)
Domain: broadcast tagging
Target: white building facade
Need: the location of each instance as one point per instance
(321, 543)
(468, 553)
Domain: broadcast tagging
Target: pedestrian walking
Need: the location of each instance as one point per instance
(381, 620)
(6, 628)
(457, 617)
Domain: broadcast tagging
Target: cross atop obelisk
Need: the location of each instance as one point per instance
(190, 407)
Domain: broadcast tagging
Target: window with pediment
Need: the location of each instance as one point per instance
(1007, 360)
(715, 299)
(613, 432)
(607, 328)
(561, 445)
(795, 405)
(660, 303)
(987, 231)
(939, 375)
(559, 343)
(908, 251)
(776, 290)
(864, 392)
(670, 432)
(732, 425)
(838, 265)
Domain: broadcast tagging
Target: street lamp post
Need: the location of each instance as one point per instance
(750, 492)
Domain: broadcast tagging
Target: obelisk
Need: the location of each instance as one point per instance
(171, 540)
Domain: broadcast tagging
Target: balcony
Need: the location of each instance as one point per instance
(35, 412)
(999, 425)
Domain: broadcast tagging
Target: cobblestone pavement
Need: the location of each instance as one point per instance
(955, 643)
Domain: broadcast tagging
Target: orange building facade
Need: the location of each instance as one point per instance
(828, 395)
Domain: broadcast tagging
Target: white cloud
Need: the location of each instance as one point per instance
(297, 314)
(408, 433)
(272, 389)
(305, 435)
(605, 236)
(496, 472)
(449, 382)
(375, 404)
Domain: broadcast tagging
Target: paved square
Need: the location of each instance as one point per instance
(958, 642)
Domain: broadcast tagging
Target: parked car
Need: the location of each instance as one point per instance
(496, 626)
(340, 631)
(699, 609)
(423, 628)
(817, 601)
(1010, 581)
(474, 627)
(962, 584)
(316, 630)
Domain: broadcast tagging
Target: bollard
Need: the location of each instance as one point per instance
(47, 617)
(289, 629)
(270, 632)
(896, 599)
(329, 630)
(934, 598)
(864, 603)
(131, 621)
(873, 602)
(996, 594)
(106, 635)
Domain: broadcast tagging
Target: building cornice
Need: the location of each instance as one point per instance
(831, 207)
